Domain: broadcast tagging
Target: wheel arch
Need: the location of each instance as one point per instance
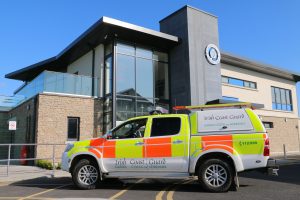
(235, 161)
(86, 155)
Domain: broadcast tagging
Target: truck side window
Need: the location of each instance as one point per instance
(165, 126)
(131, 129)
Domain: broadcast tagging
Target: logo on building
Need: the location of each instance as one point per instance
(212, 54)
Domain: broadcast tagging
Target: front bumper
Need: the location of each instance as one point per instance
(272, 167)
(65, 162)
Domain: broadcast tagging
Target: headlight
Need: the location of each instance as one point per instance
(69, 147)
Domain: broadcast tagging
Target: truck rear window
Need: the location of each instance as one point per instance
(165, 126)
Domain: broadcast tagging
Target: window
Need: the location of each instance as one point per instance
(73, 128)
(141, 80)
(268, 125)
(161, 80)
(131, 129)
(144, 78)
(281, 99)
(239, 82)
(108, 75)
(125, 73)
(107, 72)
(165, 126)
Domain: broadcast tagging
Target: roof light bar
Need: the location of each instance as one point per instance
(202, 107)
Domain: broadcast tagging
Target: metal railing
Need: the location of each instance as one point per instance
(15, 154)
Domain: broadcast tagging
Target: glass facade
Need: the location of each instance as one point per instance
(141, 80)
(52, 82)
(57, 82)
(281, 99)
(108, 87)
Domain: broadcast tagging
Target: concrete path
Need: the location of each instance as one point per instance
(18, 173)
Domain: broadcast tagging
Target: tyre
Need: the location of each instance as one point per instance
(86, 174)
(215, 175)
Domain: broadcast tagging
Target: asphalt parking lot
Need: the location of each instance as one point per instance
(253, 185)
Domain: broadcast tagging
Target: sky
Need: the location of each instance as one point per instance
(267, 31)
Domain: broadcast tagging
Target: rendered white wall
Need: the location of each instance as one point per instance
(83, 65)
(263, 92)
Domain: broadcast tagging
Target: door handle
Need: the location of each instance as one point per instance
(177, 142)
(139, 143)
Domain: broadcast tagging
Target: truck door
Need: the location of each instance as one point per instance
(167, 145)
(128, 147)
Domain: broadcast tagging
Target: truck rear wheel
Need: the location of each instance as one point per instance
(86, 174)
(215, 175)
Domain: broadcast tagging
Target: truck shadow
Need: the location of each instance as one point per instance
(287, 174)
(113, 184)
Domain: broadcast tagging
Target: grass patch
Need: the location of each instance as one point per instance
(45, 164)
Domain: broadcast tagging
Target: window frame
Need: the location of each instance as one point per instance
(155, 100)
(78, 129)
(150, 129)
(128, 122)
(228, 78)
(277, 101)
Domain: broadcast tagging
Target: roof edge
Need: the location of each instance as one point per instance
(49, 60)
(80, 37)
(107, 21)
(238, 61)
(127, 25)
(184, 7)
(115, 22)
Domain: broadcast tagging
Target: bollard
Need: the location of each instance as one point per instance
(284, 151)
(53, 161)
(8, 161)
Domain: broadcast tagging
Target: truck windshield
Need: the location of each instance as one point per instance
(131, 129)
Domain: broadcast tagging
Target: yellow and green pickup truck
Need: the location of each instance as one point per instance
(213, 143)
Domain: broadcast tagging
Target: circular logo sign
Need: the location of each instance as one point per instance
(212, 54)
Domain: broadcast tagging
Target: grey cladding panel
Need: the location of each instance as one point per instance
(205, 78)
(193, 80)
(179, 58)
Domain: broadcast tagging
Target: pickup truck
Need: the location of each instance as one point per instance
(213, 143)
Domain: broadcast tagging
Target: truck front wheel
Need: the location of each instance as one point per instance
(85, 174)
(215, 175)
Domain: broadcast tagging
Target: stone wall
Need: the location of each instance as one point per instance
(286, 132)
(52, 120)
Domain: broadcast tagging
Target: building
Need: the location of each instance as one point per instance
(116, 70)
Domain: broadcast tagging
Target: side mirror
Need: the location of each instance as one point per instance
(109, 135)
